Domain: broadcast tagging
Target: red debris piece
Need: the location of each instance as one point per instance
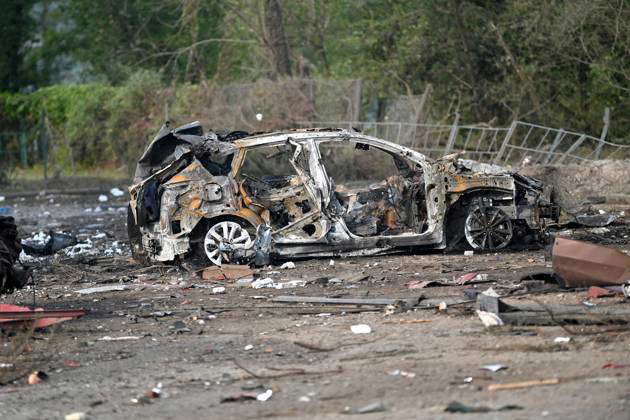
(598, 292)
(72, 363)
(614, 366)
(13, 314)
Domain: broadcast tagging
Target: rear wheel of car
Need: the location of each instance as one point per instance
(487, 227)
(225, 241)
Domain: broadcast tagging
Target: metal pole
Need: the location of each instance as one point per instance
(602, 137)
(506, 140)
(452, 135)
(554, 145)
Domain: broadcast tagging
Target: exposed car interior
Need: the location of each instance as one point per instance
(380, 193)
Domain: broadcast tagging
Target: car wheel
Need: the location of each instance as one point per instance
(487, 227)
(224, 239)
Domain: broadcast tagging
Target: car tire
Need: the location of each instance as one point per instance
(487, 227)
(212, 240)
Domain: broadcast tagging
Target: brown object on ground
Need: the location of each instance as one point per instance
(598, 292)
(524, 384)
(582, 264)
(14, 314)
(226, 272)
(37, 377)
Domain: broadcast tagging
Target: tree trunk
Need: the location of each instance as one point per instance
(276, 37)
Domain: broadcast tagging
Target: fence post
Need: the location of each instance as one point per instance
(23, 148)
(554, 145)
(602, 137)
(452, 135)
(506, 140)
(574, 146)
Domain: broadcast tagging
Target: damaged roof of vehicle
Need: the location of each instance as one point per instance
(212, 197)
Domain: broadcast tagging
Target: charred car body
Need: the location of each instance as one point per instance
(319, 192)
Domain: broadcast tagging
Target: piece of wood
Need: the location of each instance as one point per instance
(408, 321)
(524, 384)
(345, 301)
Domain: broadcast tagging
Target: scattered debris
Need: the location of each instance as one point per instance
(562, 340)
(518, 313)
(457, 407)
(375, 407)
(582, 264)
(76, 416)
(102, 198)
(489, 319)
(524, 384)
(494, 368)
(48, 244)
(265, 395)
(40, 318)
(361, 329)
(218, 290)
(407, 302)
(103, 289)
(37, 377)
(288, 265)
(469, 253)
(595, 292)
(116, 192)
(403, 373)
(227, 272)
(123, 338)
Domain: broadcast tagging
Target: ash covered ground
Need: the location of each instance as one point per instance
(170, 332)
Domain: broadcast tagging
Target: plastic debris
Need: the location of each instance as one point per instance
(116, 192)
(75, 416)
(218, 290)
(265, 395)
(331, 263)
(260, 283)
(103, 289)
(288, 265)
(489, 319)
(102, 198)
(403, 373)
(559, 340)
(469, 253)
(375, 407)
(123, 338)
(248, 347)
(361, 329)
(494, 368)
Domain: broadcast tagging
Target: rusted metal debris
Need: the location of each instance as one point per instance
(582, 264)
(518, 313)
(195, 197)
(14, 314)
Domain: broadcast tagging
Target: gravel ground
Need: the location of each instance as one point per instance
(205, 348)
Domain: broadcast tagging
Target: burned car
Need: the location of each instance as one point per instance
(241, 197)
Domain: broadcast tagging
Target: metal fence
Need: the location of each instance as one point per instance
(519, 143)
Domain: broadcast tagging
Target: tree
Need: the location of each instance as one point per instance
(16, 29)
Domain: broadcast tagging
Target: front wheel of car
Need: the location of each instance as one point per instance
(225, 242)
(487, 227)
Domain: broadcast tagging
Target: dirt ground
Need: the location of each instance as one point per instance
(204, 348)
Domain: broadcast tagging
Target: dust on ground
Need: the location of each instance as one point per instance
(204, 347)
